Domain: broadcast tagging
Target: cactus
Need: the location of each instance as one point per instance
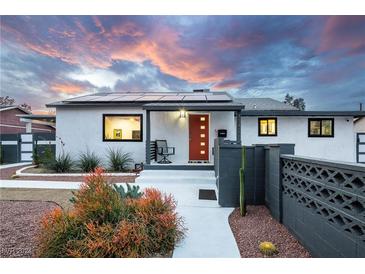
(268, 248)
(132, 192)
(242, 186)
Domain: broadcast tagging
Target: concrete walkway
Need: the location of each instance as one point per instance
(209, 234)
(14, 165)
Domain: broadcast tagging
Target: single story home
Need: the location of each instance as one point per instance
(190, 121)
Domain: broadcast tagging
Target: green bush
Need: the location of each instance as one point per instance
(132, 191)
(63, 163)
(1, 154)
(88, 161)
(119, 160)
(102, 224)
(47, 158)
(36, 158)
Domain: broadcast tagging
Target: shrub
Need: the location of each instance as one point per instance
(132, 191)
(63, 163)
(103, 224)
(36, 158)
(119, 160)
(88, 161)
(47, 158)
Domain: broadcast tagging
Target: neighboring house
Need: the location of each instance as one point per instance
(190, 122)
(12, 123)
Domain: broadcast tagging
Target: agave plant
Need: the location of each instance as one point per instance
(119, 160)
(88, 161)
(132, 191)
(63, 163)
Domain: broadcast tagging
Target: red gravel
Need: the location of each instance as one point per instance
(258, 226)
(6, 173)
(19, 225)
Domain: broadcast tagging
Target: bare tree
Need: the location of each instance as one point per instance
(6, 101)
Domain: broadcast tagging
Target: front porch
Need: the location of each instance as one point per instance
(189, 130)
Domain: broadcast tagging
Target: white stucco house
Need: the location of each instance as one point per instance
(189, 122)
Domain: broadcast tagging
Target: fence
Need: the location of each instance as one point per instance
(19, 147)
(323, 204)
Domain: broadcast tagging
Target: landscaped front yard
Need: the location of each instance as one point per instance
(258, 226)
(98, 220)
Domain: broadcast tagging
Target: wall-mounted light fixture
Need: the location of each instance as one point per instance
(182, 113)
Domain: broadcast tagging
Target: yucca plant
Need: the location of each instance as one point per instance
(63, 163)
(88, 161)
(119, 160)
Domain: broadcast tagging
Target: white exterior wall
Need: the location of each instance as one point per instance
(359, 126)
(295, 130)
(169, 126)
(82, 128)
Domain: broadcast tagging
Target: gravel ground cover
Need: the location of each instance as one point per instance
(59, 196)
(258, 226)
(6, 173)
(19, 225)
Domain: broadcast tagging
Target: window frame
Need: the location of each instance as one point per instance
(320, 122)
(123, 114)
(267, 118)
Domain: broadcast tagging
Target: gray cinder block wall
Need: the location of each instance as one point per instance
(228, 161)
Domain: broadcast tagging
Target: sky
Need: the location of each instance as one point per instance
(51, 58)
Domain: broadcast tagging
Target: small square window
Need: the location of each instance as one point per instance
(202, 135)
(202, 152)
(202, 127)
(202, 144)
(267, 127)
(202, 118)
(320, 127)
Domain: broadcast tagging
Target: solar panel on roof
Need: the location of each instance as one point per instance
(83, 98)
(218, 97)
(172, 98)
(149, 98)
(195, 98)
(127, 98)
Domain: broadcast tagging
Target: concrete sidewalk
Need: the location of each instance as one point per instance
(209, 234)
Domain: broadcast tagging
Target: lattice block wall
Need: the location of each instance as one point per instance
(335, 193)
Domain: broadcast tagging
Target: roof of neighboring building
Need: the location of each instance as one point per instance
(4, 108)
(263, 104)
(40, 117)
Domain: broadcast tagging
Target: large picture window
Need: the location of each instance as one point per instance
(122, 127)
(267, 127)
(320, 127)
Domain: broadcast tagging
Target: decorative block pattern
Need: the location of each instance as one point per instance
(336, 194)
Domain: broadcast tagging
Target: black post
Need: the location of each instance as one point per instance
(148, 137)
(238, 126)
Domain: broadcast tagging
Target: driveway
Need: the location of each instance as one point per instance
(209, 234)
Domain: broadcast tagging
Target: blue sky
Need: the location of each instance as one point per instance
(319, 58)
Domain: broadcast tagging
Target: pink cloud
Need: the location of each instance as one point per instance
(126, 41)
(345, 33)
(229, 84)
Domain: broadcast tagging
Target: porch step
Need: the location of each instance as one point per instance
(174, 176)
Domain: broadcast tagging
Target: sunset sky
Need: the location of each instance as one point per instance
(320, 58)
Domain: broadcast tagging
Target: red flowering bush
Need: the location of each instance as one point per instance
(103, 224)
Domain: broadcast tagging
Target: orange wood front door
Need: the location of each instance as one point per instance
(198, 137)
